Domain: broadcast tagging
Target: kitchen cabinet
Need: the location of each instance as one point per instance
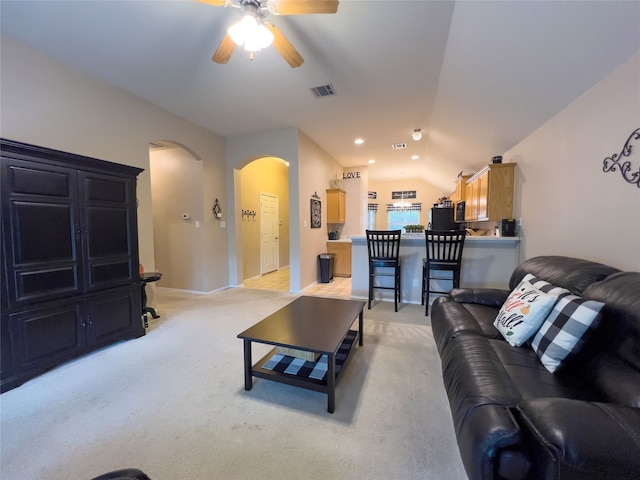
(460, 193)
(342, 260)
(471, 202)
(489, 193)
(70, 264)
(336, 207)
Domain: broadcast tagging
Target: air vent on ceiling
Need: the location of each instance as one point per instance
(397, 146)
(323, 91)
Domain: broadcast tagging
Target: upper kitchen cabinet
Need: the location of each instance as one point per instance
(336, 205)
(489, 193)
(460, 193)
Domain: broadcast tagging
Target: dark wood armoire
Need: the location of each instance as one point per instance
(70, 268)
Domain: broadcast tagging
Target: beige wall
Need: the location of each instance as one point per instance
(176, 189)
(568, 205)
(271, 176)
(426, 193)
(356, 200)
(47, 103)
(316, 171)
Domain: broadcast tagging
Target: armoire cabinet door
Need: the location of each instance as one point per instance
(109, 225)
(114, 316)
(6, 349)
(46, 336)
(41, 212)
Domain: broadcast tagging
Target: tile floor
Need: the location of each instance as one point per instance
(279, 280)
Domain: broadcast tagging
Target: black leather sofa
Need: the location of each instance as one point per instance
(514, 419)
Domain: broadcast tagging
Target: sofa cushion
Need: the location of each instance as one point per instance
(616, 379)
(612, 356)
(474, 375)
(523, 312)
(619, 332)
(574, 274)
(533, 380)
(450, 318)
(583, 440)
(565, 330)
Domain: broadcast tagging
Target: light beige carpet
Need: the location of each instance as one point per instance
(173, 404)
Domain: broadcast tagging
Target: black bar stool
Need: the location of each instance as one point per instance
(384, 261)
(444, 253)
(148, 278)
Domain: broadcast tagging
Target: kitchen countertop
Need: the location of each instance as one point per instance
(487, 262)
(341, 240)
(416, 238)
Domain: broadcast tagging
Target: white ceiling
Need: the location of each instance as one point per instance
(476, 76)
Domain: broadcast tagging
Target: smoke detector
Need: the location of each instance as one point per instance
(417, 134)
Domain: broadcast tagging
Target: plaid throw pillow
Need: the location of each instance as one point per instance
(564, 331)
(544, 286)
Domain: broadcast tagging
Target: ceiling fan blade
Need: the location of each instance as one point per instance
(225, 49)
(301, 7)
(284, 47)
(215, 3)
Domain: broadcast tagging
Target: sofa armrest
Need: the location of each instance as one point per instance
(583, 440)
(490, 297)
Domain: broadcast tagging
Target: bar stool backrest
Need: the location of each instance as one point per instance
(444, 246)
(384, 246)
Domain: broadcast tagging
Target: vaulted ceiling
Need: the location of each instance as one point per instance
(476, 76)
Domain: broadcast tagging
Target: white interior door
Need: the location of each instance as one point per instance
(268, 233)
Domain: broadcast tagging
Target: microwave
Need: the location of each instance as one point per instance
(459, 213)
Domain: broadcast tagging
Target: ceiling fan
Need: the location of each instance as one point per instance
(253, 33)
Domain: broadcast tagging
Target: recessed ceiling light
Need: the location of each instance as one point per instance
(372, 161)
(358, 141)
(414, 157)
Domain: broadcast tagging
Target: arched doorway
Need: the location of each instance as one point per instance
(264, 223)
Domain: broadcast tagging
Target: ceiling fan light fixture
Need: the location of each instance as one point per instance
(240, 30)
(258, 39)
(250, 34)
(417, 134)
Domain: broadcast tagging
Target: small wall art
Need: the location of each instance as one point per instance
(316, 211)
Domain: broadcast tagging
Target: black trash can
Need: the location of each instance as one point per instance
(326, 267)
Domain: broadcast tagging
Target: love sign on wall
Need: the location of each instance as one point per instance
(350, 175)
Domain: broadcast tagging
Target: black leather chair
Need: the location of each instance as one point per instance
(124, 474)
(383, 247)
(444, 253)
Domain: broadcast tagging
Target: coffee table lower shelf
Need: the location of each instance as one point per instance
(335, 366)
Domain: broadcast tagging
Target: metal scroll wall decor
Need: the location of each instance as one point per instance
(615, 161)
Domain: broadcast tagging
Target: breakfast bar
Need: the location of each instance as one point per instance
(487, 261)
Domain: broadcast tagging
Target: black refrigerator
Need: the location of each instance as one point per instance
(442, 219)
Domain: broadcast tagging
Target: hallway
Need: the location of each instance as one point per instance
(279, 280)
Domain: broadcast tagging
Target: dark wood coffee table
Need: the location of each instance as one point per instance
(313, 324)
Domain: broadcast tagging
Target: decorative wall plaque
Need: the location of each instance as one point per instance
(316, 211)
